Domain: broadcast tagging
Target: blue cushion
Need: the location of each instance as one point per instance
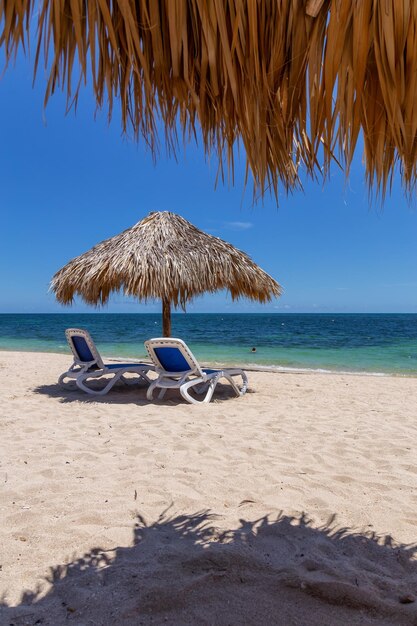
(83, 351)
(171, 359)
(207, 371)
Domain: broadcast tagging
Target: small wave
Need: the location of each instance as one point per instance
(313, 370)
(253, 367)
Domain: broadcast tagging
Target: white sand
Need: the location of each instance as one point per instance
(295, 504)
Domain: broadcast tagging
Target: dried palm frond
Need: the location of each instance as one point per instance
(165, 257)
(297, 81)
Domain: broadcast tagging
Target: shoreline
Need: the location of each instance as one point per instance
(275, 369)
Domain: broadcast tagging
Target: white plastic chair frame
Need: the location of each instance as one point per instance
(197, 378)
(83, 369)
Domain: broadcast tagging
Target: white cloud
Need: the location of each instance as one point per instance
(238, 225)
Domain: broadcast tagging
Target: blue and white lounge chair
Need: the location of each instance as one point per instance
(89, 364)
(177, 368)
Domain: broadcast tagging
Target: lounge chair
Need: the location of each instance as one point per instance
(177, 368)
(89, 364)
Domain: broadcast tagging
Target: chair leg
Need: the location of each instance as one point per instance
(81, 381)
(67, 386)
(239, 391)
(234, 386)
(197, 381)
(61, 380)
(101, 392)
(71, 374)
(149, 393)
(145, 377)
(157, 384)
(243, 389)
(162, 392)
(134, 381)
(212, 384)
(200, 389)
(152, 387)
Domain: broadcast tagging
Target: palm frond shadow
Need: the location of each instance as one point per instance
(185, 570)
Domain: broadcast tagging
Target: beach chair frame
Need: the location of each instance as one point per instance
(202, 380)
(84, 367)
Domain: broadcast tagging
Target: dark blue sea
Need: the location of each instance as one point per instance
(376, 343)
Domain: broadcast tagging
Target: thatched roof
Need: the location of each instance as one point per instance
(163, 256)
(295, 80)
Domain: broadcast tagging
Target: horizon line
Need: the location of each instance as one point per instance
(158, 313)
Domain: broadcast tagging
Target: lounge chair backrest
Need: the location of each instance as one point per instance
(172, 355)
(83, 347)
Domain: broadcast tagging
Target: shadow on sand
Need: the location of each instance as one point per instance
(120, 394)
(125, 394)
(185, 570)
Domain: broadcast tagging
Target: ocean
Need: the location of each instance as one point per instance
(375, 343)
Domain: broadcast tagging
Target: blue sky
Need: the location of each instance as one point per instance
(69, 181)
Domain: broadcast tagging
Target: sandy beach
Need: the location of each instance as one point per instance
(296, 504)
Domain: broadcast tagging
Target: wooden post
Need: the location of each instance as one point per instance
(166, 318)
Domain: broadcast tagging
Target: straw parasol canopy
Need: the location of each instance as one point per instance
(297, 81)
(165, 257)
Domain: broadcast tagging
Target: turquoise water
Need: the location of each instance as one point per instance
(376, 343)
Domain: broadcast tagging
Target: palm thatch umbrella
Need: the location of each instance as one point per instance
(163, 256)
(295, 80)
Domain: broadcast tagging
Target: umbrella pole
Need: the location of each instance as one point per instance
(166, 318)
